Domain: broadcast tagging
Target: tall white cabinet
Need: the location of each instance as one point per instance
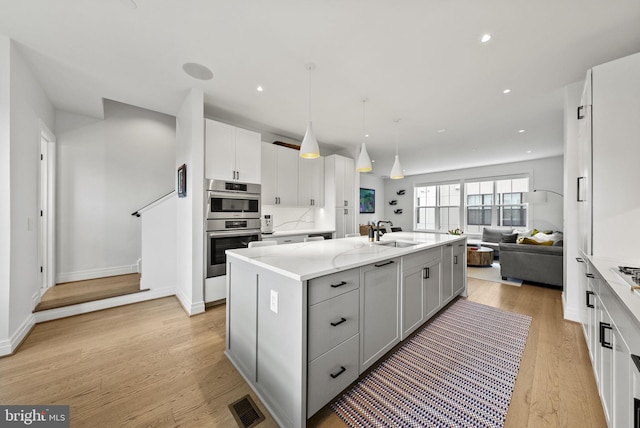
(231, 153)
(339, 173)
(607, 199)
(608, 211)
(279, 175)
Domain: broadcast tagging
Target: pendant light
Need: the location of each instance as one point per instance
(364, 163)
(396, 170)
(309, 148)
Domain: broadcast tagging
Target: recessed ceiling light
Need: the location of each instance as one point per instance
(197, 71)
(366, 135)
(440, 131)
(506, 91)
(521, 131)
(373, 161)
(259, 89)
(528, 151)
(485, 38)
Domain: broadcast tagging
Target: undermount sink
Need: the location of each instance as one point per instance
(397, 244)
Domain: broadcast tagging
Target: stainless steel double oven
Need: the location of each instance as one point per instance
(233, 220)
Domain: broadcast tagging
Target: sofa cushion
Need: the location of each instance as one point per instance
(510, 238)
(493, 235)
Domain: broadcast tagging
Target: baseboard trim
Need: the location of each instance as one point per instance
(570, 313)
(98, 305)
(96, 273)
(191, 308)
(8, 347)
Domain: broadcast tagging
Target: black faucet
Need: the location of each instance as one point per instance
(378, 228)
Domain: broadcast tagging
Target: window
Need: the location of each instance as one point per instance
(437, 207)
(496, 203)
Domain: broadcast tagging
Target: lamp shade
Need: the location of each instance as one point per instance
(534, 197)
(396, 170)
(309, 148)
(364, 162)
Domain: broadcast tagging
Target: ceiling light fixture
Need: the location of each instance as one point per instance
(309, 148)
(396, 170)
(440, 131)
(364, 162)
(521, 131)
(197, 71)
(259, 89)
(485, 38)
(506, 91)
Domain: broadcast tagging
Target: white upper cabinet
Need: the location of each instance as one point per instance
(231, 153)
(311, 182)
(340, 181)
(279, 175)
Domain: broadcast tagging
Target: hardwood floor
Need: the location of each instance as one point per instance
(71, 293)
(148, 364)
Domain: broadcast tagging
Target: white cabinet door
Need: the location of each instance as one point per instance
(349, 182)
(412, 296)
(219, 150)
(622, 375)
(459, 263)
(446, 291)
(269, 172)
(432, 289)
(339, 169)
(584, 167)
(247, 155)
(287, 176)
(311, 182)
(231, 153)
(279, 175)
(379, 310)
(605, 364)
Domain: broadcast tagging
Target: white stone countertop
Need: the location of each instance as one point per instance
(608, 268)
(279, 233)
(304, 261)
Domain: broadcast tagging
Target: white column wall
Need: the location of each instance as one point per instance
(190, 209)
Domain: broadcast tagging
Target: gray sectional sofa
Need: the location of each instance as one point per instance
(528, 262)
(536, 263)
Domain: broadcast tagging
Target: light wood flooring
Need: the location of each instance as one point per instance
(148, 364)
(72, 293)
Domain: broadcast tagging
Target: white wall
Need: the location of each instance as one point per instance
(28, 108)
(106, 170)
(190, 269)
(544, 173)
(5, 193)
(369, 181)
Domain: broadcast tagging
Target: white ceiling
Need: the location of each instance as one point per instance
(418, 60)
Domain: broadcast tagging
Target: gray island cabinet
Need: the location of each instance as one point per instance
(305, 320)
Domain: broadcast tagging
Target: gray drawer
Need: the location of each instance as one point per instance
(332, 322)
(328, 286)
(329, 374)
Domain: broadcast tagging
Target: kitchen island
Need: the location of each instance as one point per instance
(305, 320)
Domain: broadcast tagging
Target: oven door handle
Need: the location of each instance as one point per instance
(232, 195)
(239, 232)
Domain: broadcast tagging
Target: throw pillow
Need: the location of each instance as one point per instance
(531, 241)
(509, 238)
(522, 232)
(492, 235)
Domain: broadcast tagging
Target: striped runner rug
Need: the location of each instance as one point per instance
(458, 371)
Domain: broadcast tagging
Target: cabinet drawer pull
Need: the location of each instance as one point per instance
(449, 245)
(579, 259)
(335, 375)
(580, 112)
(340, 284)
(425, 273)
(342, 319)
(580, 198)
(589, 294)
(384, 264)
(455, 260)
(604, 326)
(589, 275)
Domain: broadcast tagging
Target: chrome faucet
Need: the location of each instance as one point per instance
(378, 228)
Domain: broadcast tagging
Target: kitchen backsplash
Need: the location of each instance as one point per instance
(290, 218)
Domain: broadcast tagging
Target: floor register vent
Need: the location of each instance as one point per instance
(246, 413)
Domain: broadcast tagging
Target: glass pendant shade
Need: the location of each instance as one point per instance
(396, 170)
(309, 148)
(364, 163)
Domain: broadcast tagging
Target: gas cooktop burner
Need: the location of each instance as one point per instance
(631, 275)
(628, 270)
